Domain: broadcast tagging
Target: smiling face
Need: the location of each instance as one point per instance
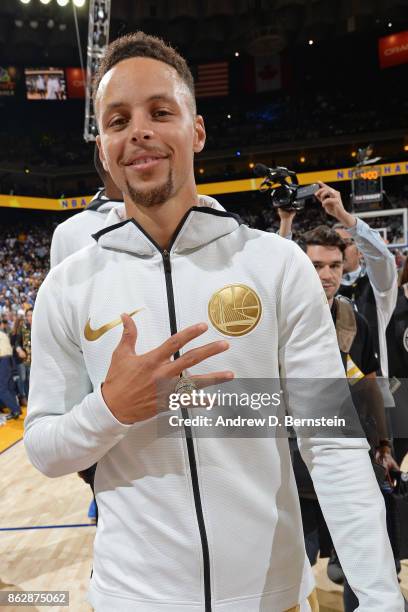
(328, 261)
(148, 131)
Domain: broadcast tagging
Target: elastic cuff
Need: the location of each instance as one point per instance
(103, 416)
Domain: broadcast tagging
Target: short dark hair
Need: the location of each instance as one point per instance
(139, 44)
(323, 235)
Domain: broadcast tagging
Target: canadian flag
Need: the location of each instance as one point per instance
(268, 73)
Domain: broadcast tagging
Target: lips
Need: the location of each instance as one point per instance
(144, 158)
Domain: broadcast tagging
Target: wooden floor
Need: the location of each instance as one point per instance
(60, 558)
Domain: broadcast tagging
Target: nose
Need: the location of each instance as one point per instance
(141, 131)
(325, 273)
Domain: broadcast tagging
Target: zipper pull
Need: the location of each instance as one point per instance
(166, 261)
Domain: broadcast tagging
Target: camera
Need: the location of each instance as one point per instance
(284, 194)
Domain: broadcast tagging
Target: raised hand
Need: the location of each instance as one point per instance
(131, 386)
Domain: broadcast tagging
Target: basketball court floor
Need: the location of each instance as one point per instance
(46, 538)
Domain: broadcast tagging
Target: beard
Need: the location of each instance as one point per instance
(154, 197)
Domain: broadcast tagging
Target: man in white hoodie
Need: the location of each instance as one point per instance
(76, 232)
(200, 524)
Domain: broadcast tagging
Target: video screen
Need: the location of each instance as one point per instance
(45, 84)
(8, 80)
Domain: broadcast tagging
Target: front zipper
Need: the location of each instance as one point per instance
(189, 441)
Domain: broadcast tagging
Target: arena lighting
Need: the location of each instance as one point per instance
(45, 1)
(390, 24)
(251, 165)
(50, 24)
(311, 42)
(34, 24)
(18, 23)
(353, 153)
(236, 53)
(302, 160)
(25, 1)
(79, 3)
(62, 2)
(201, 170)
(62, 27)
(228, 116)
(406, 147)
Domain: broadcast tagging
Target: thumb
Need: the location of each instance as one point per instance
(129, 334)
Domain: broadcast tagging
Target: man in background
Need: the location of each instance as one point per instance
(76, 232)
(7, 396)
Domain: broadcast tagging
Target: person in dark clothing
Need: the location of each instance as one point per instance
(397, 342)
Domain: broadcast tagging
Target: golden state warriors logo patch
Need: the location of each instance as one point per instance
(234, 310)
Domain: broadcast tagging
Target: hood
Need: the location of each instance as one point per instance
(101, 203)
(201, 224)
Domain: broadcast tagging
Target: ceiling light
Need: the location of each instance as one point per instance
(390, 24)
(62, 27)
(406, 147)
(236, 53)
(18, 23)
(79, 3)
(62, 2)
(45, 1)
(311, 41)
(34, 24)
(50, 24)
(228, 116)
(25, 1)
(302, 160)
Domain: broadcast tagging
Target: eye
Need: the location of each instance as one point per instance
(161, 112)
(117, 122)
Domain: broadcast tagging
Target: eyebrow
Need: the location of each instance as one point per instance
(316, 261)
(119, 103)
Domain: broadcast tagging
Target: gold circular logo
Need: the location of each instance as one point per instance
(234, 310)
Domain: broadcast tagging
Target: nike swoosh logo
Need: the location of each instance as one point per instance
(94, 334)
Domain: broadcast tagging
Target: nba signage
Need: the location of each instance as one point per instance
(393, 50)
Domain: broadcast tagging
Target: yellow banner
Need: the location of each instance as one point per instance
(251, 184)
(13, 201)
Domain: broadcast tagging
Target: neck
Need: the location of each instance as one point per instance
(161, 221)
(330, 301)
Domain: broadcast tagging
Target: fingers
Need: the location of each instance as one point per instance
(214, 378)
(193, 357)
(176, 342)
(328, 197)
(129, 335)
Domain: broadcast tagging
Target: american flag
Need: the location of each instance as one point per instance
(212, 80)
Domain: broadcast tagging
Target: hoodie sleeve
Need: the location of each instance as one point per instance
(68, 425)
(340, 468)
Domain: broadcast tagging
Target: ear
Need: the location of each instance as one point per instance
(199, 134)
(101, 153)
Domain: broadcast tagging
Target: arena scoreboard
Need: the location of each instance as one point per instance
(367, 189)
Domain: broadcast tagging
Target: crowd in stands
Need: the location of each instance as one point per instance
(24, 262)
(276, 117)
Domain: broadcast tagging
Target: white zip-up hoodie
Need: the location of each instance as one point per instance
(76, 232)
(199, 524)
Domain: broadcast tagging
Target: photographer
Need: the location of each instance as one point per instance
(373, 286)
